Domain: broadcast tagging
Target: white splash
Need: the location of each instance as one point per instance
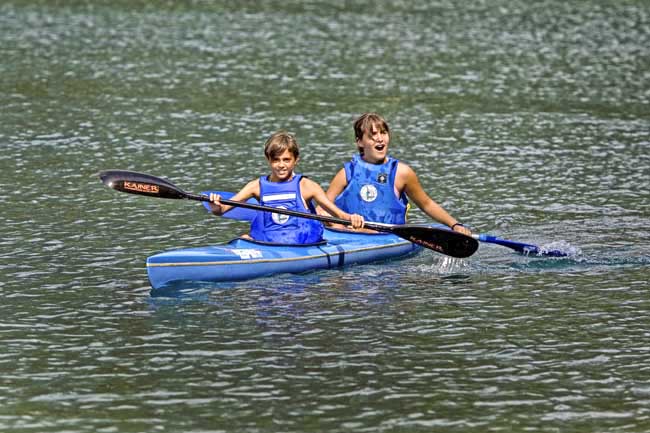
(560, 246)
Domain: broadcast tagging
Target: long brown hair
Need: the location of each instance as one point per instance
(366, 121)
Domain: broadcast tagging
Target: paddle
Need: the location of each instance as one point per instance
(520, 247)
(523, 248)
(440, 240)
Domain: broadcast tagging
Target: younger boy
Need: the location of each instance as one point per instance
(285, 189)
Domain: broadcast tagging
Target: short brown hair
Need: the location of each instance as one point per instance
(278, 143)
(366, 121)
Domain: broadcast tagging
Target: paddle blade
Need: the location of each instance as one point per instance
(441, 240)
(521, 247)
(140, 183)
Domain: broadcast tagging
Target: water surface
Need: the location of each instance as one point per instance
(528, 121)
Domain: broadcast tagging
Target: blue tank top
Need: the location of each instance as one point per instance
(284, 229)
(371, 191)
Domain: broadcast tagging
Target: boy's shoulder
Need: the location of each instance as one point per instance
(253, 185)
(307, 183)
(305, 180)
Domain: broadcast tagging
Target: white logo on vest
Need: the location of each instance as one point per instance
(279, 218)
(368, 193)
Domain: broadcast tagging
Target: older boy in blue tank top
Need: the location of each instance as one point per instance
(286, 189)
(378, 186)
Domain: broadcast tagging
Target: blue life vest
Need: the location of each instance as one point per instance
(371, 191)
(285, 229)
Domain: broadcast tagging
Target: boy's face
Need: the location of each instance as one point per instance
(374, 145)
(282, 166)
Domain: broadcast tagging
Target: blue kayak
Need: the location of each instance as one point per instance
(242, 259)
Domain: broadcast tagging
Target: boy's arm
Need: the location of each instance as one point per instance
(413, 189)
(251, 189)
(311, 190)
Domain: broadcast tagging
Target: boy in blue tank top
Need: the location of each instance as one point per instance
(378, 186)
(286, 189)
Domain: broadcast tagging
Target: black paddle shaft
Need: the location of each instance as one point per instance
(441, 240)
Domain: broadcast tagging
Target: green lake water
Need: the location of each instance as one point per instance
(527, 120)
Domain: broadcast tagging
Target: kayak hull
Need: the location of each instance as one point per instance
(242, 259)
